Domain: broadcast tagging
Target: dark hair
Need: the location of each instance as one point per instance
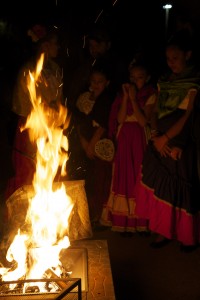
(140, 62)
(99, 34)
(103, 69)
(181, 39)
(40, 33)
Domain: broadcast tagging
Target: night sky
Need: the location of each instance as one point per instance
(127, 25)
(82, 13)
(131, 23)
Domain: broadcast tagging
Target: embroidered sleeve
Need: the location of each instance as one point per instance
(184, 103)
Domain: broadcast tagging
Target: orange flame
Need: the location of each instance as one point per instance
(49, 211)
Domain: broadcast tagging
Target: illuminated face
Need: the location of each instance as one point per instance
(98, 83)
(176, 59)
(98, 48)
(138, 76)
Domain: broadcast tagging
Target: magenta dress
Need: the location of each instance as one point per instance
(119, 211)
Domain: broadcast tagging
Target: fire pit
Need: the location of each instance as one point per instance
(62, 289)
(73, 259)
(37, 259)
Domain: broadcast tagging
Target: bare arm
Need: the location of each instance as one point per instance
(161, 141)
(178, 126)
(121, 116)
(139, 114)
(143, 116)
(90, 150)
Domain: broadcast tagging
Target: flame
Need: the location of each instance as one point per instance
(49, 210)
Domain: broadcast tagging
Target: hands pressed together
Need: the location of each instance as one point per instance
(129, 90)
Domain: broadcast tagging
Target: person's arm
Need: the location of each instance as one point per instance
(178, 126)
(149, 107)
(139, 114)
(121, 116)
(90, 150)
(154, 117)
(143, 116)
(161, 141)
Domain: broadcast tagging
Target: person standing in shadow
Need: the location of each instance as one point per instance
(168, 190)
(93, 109)
(98, 51)
(49, 87)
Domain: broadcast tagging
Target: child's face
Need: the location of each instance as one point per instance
(176, 59)
(98, 83)
(139, 77)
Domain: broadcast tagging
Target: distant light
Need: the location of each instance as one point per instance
(167, 6)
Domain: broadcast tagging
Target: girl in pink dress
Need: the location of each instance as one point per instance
(129, 118)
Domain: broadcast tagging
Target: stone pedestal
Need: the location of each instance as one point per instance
(99, 277)
(100, 282)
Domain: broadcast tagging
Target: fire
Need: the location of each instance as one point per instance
(35, 249)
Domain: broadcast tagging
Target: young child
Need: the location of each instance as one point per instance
(92, 125)
(130, 114)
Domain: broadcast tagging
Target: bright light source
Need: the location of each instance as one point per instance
(167, 6)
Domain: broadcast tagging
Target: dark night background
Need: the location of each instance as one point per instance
(131, 24)
(129, 21)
